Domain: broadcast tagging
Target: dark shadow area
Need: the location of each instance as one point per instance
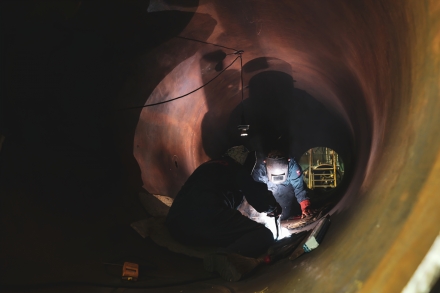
(68, 179)
(216, 57)
(266, 63)
(221, 98)
(282, 116)
(63, 78)
(183, 3)
(436, 287)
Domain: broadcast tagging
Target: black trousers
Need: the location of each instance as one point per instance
(222, 227)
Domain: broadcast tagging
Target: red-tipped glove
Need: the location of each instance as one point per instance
(305, 208)
(276, 212)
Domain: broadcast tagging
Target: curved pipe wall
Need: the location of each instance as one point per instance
(371, 68)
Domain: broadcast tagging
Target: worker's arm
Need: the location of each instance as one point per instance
(297, 182)
(259, 173)
(256, 193)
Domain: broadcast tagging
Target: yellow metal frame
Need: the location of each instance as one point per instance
(311, 176)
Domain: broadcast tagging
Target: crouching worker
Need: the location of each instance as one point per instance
(204, 212)
(284, 177)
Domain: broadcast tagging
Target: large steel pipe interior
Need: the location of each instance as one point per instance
(361, 77)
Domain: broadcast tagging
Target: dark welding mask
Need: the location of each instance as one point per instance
(277, 168)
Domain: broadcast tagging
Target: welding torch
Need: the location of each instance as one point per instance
(277, 225)
(276, 214)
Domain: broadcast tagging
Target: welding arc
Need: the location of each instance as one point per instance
(277, 226)
(187, 94)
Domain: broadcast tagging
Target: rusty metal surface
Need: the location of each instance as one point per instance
(371, 71)
(361, 77)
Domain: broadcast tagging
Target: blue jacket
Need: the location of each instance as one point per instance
(294, 179)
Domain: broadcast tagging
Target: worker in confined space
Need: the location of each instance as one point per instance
(204, 212)
(284, 178)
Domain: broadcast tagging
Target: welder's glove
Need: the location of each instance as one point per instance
(305, 208)
(276, 212)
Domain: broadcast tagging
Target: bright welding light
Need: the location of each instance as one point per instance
(269, 222)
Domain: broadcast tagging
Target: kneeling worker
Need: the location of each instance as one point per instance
(284, 177)
(204, 212)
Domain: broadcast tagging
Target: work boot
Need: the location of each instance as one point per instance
(231, 267)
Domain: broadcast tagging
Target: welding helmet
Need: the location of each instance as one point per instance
(277, 166)
(238, 153)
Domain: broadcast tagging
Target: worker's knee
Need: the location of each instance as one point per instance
(263, 235)
(253, 243)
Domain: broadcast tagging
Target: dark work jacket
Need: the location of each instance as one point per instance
(221, 183)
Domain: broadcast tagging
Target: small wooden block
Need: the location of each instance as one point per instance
(130, 271)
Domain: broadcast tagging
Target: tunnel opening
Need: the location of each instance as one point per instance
(326, 164)
(72, 168)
